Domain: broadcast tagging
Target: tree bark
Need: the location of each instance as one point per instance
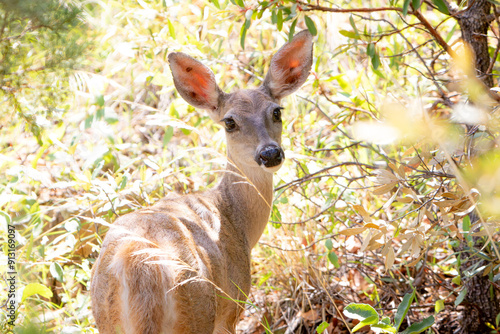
(474, 23)
(481, 303)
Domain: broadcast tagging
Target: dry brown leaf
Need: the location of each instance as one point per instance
(401, 171)
(352, 231)
(405, 200)
(445, 203)
(385, 177)
(413, 263)
(414, 163)
(384, 188)
(390, 257)
(361, 210)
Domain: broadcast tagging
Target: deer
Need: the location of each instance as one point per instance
(182, 265)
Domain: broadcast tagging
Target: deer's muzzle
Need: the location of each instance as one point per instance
(271, 156)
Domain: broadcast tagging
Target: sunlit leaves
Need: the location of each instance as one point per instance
(35, 289)
(439, 306)
(369, 317)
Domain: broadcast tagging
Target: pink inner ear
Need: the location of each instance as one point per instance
(292, 57)
(195, 77)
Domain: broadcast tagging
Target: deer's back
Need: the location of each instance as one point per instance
(182, 256)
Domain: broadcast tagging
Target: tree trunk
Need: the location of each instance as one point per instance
(474, 23)
(481, 303)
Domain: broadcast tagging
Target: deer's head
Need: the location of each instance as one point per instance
(251, 117)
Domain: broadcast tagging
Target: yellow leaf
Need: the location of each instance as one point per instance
(371, 225)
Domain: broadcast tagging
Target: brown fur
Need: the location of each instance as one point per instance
(182, 265)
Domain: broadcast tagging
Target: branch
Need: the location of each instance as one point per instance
(433, 32)
(310, 7)
(416, 13)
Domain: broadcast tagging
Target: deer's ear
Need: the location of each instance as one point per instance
(290, 66)
(194, 81)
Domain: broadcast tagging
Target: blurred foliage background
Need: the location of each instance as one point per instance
(391, 183)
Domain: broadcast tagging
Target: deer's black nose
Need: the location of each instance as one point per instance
(271, 156)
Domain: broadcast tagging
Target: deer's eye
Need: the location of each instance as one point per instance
(277, 114)
(230, 124)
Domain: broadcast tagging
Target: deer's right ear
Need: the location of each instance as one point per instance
(194, 81)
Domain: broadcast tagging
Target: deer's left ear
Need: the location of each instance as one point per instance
(290, 66)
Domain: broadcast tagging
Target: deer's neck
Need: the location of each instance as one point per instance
(246, 197)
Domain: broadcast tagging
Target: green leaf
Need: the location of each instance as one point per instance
(383, 328)
(57, 271)
(419, 327)
(99, 100)
(216, 3)
(353, 25)
(329, 244)
(457, 279)
(169, 133)
(240, 3)
(332, 256)
(279, 22)
(349, 34)
(406, 5)
(466, 228)
(370, 50)
(368, 321)
(416, 4)
(5, 218)
(360, 311)
(376, 61)
(171, 29)
(461, 296)
(322, 327)
(310, 25)
(439, 306)
(292, 30)
(441, 6)
(379, 74)
(276, 215)
(243, 35)
(403, 309)
(29, 248)
(35, 289)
